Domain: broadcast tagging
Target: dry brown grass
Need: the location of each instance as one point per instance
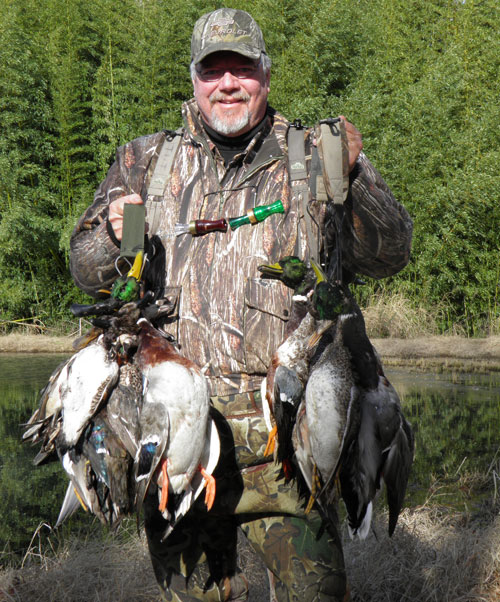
(435, 555)
(395, 316)
(35, 343)
(91, 569)
(82, 571)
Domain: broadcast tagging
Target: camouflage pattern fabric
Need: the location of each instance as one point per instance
(198, 560)
(227, 318)
(226, 29)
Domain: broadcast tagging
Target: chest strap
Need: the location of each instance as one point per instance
(329, 177)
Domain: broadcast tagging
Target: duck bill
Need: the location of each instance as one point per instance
(273, 270)
(320, 331)
(320, 275)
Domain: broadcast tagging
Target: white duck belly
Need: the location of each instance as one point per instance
(186, 401)
(90, 377)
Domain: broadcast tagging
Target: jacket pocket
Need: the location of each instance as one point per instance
(267, 306)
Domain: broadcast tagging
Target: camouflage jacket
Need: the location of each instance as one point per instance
(227, 319)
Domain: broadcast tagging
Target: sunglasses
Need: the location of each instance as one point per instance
(212, 74)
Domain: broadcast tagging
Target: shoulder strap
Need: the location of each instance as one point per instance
(299, 180)
(329, 177)
(333, 151)
(160, 177)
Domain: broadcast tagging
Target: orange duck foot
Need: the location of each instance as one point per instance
(164, 486)
(315, 487)
(210, 488)
(287, 469)
(271, 442)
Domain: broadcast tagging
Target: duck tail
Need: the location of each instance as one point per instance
(70, 505)
(396, 471)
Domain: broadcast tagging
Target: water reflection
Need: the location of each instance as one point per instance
(456, 419)
(29, 496)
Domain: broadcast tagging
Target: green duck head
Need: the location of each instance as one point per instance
(329, 299)
(292, 272)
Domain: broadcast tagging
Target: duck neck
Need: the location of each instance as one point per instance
(355, 339)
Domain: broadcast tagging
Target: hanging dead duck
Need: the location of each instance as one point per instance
(179, 446)
(285, 381)
(384, 445)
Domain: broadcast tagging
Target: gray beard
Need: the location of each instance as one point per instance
(230, 125)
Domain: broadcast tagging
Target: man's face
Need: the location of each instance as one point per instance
(231, 91)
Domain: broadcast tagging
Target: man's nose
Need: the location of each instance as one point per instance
(228, 81)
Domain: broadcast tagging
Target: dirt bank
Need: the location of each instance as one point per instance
(436, 352)
(442, 352)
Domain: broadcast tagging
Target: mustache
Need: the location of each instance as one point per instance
(220, 96)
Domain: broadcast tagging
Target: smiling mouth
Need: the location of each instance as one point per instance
(232, 101)
(221, 99)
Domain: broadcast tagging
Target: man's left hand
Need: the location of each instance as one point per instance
(354, 141)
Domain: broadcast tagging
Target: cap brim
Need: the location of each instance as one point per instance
(243, 49)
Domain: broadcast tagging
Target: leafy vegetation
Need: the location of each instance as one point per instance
(418, 79)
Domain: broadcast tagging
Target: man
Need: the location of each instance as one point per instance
(233, 156)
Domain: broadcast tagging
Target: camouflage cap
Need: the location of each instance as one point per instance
(226, 29)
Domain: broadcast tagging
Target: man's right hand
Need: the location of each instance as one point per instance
(115, 216)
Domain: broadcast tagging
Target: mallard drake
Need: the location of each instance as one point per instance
(178, 446)
(284, 385)
(378, 442)
(330, 408)
(384, 445)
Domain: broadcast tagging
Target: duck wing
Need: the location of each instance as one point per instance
(77, 468)
(110, 462)
(383, 449)
(360, 473)
(155, 424)
(124, 407)
(285, 382)
(288, 392)
(398, 444)
(45, 423)
(70, 505)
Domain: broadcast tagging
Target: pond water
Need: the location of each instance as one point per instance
(455, 417)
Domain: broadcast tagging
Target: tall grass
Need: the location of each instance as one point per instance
(388, 314)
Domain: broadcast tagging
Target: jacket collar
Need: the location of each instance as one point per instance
(267, 145)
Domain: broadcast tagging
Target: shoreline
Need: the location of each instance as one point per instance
(422, 353)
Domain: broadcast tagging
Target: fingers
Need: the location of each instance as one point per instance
(115, 215)
(354, 141)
